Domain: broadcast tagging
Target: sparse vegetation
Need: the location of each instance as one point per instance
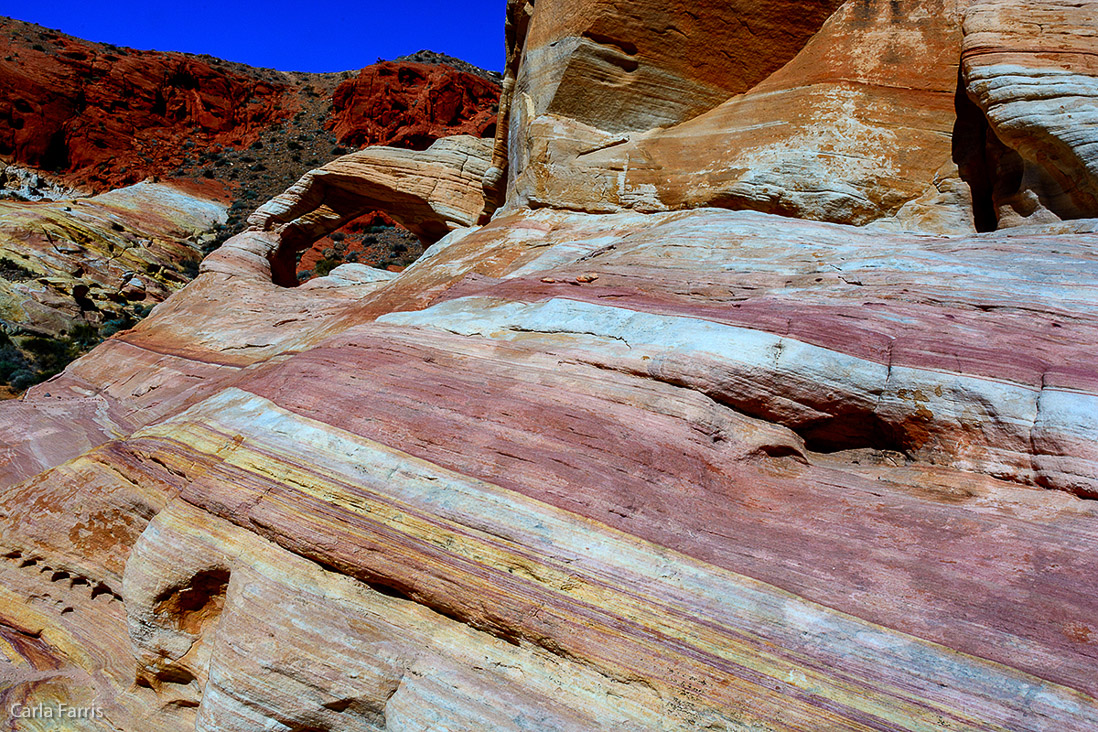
(14, 272)
(31, 358)
(36, 358)
(368, 240)
(255, 166)
(325, 266)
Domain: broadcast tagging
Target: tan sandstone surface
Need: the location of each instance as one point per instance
(74, 268)
(130, 245)
(1032, 67)
(705, 455)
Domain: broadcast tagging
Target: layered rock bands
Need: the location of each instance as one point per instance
(751, 388)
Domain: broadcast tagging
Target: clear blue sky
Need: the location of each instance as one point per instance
(329, 35)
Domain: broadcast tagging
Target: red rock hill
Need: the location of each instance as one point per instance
(99, 117)
(106, 117)
(411, 105)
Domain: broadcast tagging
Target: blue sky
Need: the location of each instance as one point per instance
(331, 35)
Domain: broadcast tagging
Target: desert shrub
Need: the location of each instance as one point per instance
(112, 326)
(84, 336)
(11, 361)
(325, 266)
(39, 357)
(23, 379)
(15, 272)
(50, 354)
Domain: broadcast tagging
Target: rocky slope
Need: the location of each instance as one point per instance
(608, 462)
(74, 271)
(100, 117)
(84, 117)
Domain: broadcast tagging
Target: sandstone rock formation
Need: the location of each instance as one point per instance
(604, 462)
(429, 192)
(1031, 68)
(96, 116)
(855, 128)
(695, 434)
(411, 105)
(619, 67)
(856, 125)
(109, 117)
(75, 266)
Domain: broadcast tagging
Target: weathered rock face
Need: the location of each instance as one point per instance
(1031, 68)
(634, 469)
(734, 401)
(71, 268)
(621, 67)
(411, 105)
(866, 123)
(856, 125)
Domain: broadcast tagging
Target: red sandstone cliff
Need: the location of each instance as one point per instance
(411, 105)
(106, 117)
(100, 117)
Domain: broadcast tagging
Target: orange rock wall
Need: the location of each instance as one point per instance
(108, 118)
(411, 105)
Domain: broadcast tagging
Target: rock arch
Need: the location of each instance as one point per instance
(430, 193)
